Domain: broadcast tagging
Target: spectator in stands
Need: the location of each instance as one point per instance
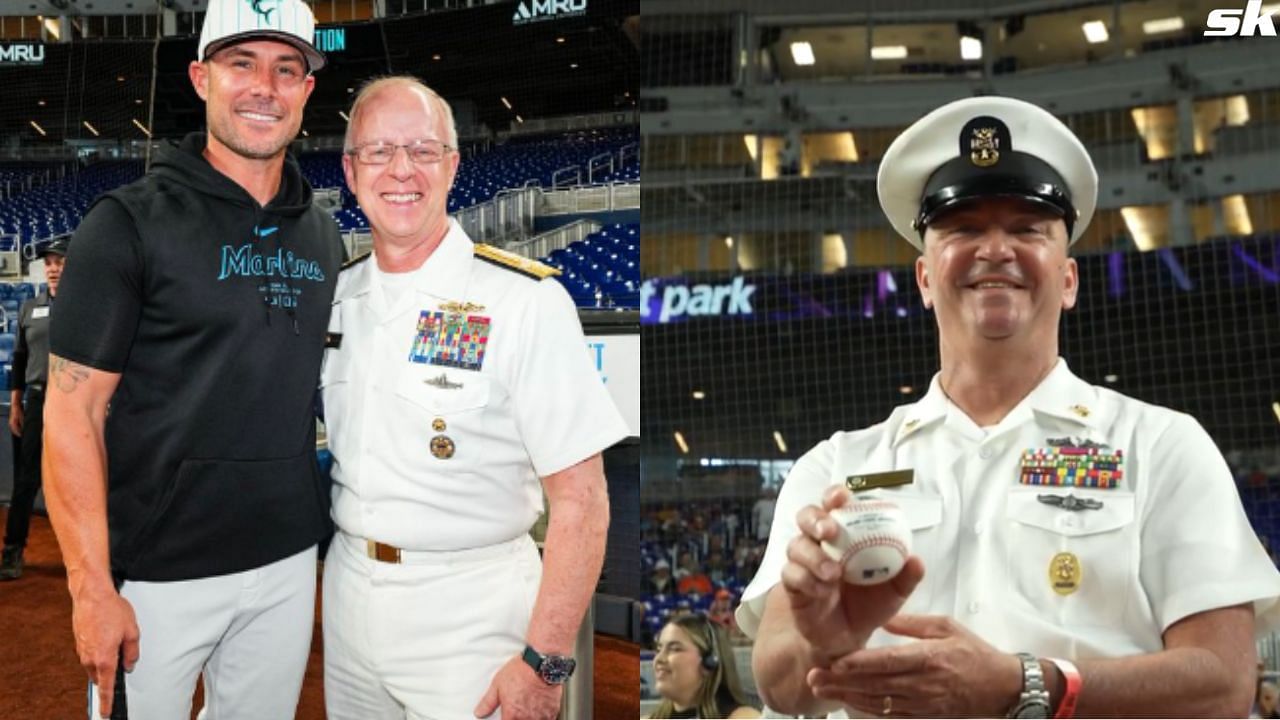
(696, 674)
(691, 578)
(26, 418)
(474, 425)
(717, 571)
(661, 582)
(721, 610)
(196, 303)
(1109, 571)
(762, 512)
(1266, 705)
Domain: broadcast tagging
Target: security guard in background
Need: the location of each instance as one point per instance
(26, 420)
(456, 387)
(1087, 553)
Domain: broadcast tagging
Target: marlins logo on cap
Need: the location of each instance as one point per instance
(228, 22)
(986, 147)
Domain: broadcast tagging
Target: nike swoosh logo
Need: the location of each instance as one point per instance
(264, 232)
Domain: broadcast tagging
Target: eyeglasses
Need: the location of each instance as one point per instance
(421, 152)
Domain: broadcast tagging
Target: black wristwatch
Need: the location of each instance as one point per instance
(1034, 700)
(553, 669)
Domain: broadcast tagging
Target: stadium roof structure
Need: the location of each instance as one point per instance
(581, 64)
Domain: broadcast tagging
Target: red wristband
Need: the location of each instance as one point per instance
(1071, 690)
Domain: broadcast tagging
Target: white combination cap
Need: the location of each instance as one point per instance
(986, 147)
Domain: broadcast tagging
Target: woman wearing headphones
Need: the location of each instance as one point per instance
(695, 673)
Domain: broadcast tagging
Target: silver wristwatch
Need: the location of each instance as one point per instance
(1034, 700)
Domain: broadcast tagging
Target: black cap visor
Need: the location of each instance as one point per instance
(1017, 175)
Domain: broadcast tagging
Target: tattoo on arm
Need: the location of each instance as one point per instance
(67, 375)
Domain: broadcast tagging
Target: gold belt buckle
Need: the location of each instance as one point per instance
(382, 552)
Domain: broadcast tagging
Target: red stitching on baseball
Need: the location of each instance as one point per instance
(872, 540)
(868, 505)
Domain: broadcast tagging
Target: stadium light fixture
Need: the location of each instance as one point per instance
(1111, 379)
(750, 142)
(699, 395)
(1163, 25)
(142, 127)
(970, 48)
(560, 40)
(889, 52)
(1095, 31)
(1139, 224)
(306, 134)
(802, 53)
(519, 119)
(573, 66)
(777, 440)
(1275, 408)
(344, 117)
(1235, 213)
(436, 56)
(906, 389)
(684, 446)
(39, 129)
(506, 102)
(91, 128)
(728, 241)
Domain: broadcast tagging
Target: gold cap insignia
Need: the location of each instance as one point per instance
(984, 147)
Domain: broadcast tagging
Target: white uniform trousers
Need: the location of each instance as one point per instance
(249, 632)
(422, 639)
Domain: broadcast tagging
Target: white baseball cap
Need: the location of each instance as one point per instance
(228, 22)
(986, 147)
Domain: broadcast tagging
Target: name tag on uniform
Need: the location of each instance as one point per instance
(333, 340)
(870, 481)
(40, 312)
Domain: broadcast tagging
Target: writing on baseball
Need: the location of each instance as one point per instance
(874, 541)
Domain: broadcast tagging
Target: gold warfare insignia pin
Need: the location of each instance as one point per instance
(442, 447)
(1065, 573)
(984, 147)
(460, 308)
(870, 481)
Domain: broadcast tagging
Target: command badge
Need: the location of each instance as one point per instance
(1065, 573)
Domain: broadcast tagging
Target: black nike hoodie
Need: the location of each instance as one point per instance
(211, 435)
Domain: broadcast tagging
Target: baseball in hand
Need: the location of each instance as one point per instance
(874, 541)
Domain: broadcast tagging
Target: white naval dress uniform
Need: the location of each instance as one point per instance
(1169, 540)
(444, 408)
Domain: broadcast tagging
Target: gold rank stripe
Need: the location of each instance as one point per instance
(519, 263)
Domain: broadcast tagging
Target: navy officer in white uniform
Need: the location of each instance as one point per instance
(457, 387)
(1076, 551)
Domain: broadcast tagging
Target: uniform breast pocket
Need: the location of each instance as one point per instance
(923, 514)
(1073, 558)
(447, 407)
